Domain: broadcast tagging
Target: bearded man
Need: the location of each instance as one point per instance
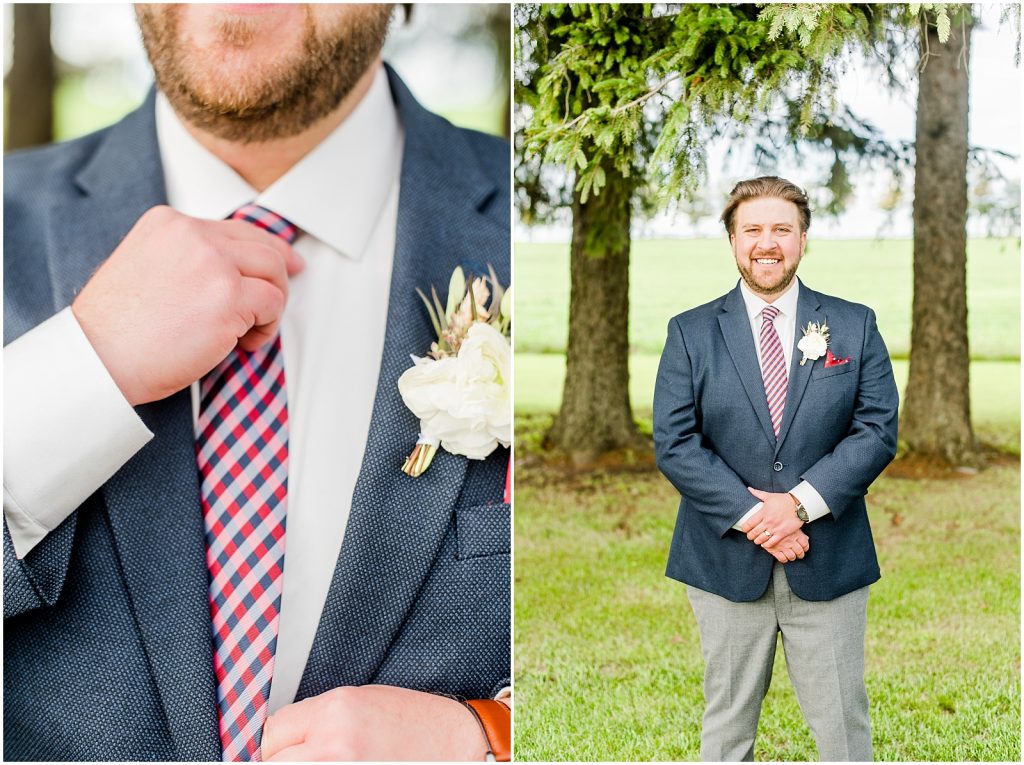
(207, 309)
(774, 410)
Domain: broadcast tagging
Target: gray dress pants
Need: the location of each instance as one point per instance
(823, 643)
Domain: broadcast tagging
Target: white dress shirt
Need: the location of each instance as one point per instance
(785, 326)
(343, 197)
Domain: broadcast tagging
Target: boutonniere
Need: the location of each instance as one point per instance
(814, 343)
(460, 390)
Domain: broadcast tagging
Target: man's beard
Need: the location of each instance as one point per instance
(764, 288)
(277, 102)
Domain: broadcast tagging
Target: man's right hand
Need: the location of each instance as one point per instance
(177, 296)
(791, 547)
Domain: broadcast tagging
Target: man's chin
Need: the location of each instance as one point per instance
(776, 287)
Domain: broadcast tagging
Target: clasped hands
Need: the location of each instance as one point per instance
(776, 528)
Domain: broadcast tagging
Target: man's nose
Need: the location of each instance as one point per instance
(766, 241)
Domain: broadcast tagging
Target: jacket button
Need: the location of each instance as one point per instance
(777, 467)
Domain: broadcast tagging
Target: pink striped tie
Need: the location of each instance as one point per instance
(773, 367)
(242, 453)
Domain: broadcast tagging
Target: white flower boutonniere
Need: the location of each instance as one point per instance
(461, 390)
(814, 343)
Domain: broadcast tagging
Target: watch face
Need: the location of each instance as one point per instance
(802, 515)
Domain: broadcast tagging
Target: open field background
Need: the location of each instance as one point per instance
(607, 657)
(668, 276)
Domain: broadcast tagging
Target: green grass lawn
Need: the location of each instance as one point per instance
(607, 657)
(669, 276)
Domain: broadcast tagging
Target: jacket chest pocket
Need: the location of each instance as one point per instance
(482, 530)
(822, 372)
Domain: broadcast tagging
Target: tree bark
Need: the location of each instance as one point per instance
(31, 80)
(595, 415)
(937, 413)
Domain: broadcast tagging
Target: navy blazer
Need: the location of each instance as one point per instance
(714, 437)
(107, 648)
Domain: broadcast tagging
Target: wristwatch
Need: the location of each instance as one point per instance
(801, 511)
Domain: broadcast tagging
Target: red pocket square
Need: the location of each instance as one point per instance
(832, 361)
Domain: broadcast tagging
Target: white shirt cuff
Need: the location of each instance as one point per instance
(812, 501)
(739, 524)
(67, 429)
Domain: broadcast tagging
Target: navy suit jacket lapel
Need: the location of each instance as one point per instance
(397, 523)
(152, 502)
(807, 310)
(739, 340)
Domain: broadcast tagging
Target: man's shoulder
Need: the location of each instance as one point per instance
(50, 167)
(492, 152)
(837, 308)
(450, 152)
(702, 314)
(454, 145)
(51, 173)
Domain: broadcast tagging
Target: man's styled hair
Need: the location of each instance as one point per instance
(767, 186)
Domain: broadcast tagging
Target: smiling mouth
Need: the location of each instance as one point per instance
(766, 261)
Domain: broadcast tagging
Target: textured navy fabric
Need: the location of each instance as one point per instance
(714, 437)
(107, 651)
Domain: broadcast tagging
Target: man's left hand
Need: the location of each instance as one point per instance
(373, 722)
(777, 516)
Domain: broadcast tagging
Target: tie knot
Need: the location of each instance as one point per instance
(770, 312)
(267, 220)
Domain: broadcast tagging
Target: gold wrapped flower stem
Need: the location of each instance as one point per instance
(421, 457)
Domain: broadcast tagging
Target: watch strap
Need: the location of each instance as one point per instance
(495, 721)
(801, 511)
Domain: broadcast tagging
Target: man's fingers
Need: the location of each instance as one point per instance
(283, 730)
(257, 337)
(260, 306)
(247, 232)
(774, 540)
(240, 231)
(257, 260)
(751, 522)
(300, 753)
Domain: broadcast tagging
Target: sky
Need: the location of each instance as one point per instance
(994, 123)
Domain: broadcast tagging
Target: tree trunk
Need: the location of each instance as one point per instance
(936, 413)
(31, 80)
(595, 415)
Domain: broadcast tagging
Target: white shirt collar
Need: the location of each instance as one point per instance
(786, 302)
(356, 165)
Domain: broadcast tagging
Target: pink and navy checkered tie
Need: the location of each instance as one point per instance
(242, 453)
(773, 367)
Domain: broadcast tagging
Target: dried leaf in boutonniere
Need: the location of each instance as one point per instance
(461, 390)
